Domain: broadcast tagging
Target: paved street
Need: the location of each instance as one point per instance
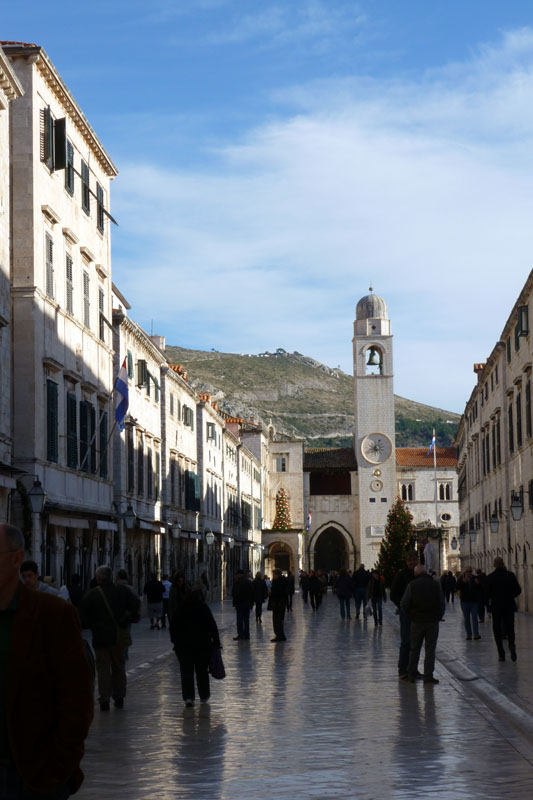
(320, 716)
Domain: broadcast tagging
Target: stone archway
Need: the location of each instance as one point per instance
(280, 556)
(331, 553)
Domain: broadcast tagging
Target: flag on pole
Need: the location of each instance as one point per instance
(432, 445)
(309, 518)
(121, 386)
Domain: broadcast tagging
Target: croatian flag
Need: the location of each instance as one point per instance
(432, 445)
(121, 386)
(309, 518)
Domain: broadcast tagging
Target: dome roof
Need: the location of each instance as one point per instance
(371, 307)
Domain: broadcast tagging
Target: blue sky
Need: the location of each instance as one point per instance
(276, 157)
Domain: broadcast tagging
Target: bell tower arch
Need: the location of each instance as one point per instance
(374, 432)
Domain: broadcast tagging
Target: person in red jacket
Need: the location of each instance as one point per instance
(44, 678)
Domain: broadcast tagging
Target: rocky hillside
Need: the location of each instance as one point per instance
(301, 396)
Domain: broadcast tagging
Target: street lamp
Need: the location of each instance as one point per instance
(176, 530)
(129, 517)
(231, 542)
(37, 496)
(209, 537)
(462, 539)
(472, 534)
(494, 523)
(517, 506)
(454, 543)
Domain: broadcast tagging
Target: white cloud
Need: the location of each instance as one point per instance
(423, 188)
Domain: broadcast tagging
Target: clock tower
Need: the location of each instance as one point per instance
(374, 439)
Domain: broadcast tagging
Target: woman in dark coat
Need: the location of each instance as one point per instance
(194, 633)
(260, 595)
(375, 592)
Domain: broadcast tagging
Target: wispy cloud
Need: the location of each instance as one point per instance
(422, 187)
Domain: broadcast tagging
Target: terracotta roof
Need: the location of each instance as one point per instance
(18, 44)
(420, 457)
(179, 370)
(329, 458)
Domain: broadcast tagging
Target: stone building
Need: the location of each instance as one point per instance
(495, 466)
(10, 89)
(61, 304)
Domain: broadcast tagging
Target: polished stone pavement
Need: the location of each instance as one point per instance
(322, 715)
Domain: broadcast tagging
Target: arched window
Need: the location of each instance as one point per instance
(374, 360)
(407, 491)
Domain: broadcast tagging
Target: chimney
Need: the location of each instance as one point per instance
(159, 342)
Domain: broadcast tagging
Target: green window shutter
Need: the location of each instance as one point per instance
(99, 208)
(157, 391)
(92, 440)
(85, 191)
(72, 431)
(197, 492)
(157, 473)
(52, 433)
(49, 247)
(69, 284)
(69, 170)
(130, 364)
(103, 444)
(140, 466)
(149, 474)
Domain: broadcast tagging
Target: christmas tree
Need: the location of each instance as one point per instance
(282, 521)
(399, 538)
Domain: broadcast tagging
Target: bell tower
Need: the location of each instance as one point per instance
(374, 434)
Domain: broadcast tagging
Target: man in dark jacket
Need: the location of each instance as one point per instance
(243, 600)
(401, 580)
(46, 701)
(360, 581)
(277, 603)
(424, 604)
(155, 591)
(502, 587)
(107, 610)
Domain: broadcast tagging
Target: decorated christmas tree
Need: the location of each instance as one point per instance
(282, 521)
(399, 538)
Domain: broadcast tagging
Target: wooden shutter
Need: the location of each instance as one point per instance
(85, 191)
(72, 431)
(92, 440)
(130, 364)
(84, 436)
(60, 143)
(86, 300)
(69, 284)
(157, 473)
(69, 168)
(99, 208)
(52, 437)
(149, 473)
(131, 459)
(49, 256)
(103, 444)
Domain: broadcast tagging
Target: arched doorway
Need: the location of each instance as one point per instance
(330, 551)
(280, 557)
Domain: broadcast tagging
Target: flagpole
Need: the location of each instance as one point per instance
(436, 496)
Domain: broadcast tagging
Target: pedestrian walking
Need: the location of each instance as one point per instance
(315, 590)
(304, 586)
(344, 593)
(399, 584)
(277, 603)
(154, 591)
(178, 590)
(470, 592)
(260, 595)
(360, 579)
(194, 634)
(167, 584)
(29, 573)
(502, 588)
(46, 700)
(376, 593)
(107, 610)
(290, 590)
(482, 602)
(423, 602)
(243, 600)
(448, 585)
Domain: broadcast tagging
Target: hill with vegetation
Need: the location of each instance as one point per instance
(301, 396)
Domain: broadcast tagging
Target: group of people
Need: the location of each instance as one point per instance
(421, 605)
(364, 586)
(247, 593)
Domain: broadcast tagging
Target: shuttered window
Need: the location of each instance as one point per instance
(72, 431)
(87, 437)
(69, 169)
(157, 474)
(149, 474)
(528, 409)
(99, 208)
(47, 137)
(511, 431)
(103, 444)
(101, 318)
(519, 420)
(130, 364)
(86, 300)
(173, 481)
(85, 191)
(52, 434)
(69, 285)
(140, 465)
(131, 458)
(49, 256)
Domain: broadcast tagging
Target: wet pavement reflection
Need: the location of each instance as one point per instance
(322, 715)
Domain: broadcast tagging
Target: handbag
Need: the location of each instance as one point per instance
(216, 665)
(123, 634)
(368, 610)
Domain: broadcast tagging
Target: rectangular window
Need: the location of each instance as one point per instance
(173, 481)
(87, 437)
(103, 444)
(483, 457)
(508, 349)
(528, 409)
(494, 461)
(171, 404)
(188, 417)
(86, 300)
(72, 431)
(519, 420)
(523, 321)
(101, 314)
(281, 463)
(496, 373)
(131, 458)
(498, 442)
(511, 431)
(52, 433)
(69, 169)
(149, 474)
(69, 284)
(157, 476)
(210, 430)
(49, 256)
(47, 137)
(99, 208)
(85, 190)
(140, 465)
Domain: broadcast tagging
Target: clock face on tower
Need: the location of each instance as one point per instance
(376, 448)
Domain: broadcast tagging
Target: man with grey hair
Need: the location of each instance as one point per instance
(41, 649)
(423, 602)
(502, 587)
(108, 610)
